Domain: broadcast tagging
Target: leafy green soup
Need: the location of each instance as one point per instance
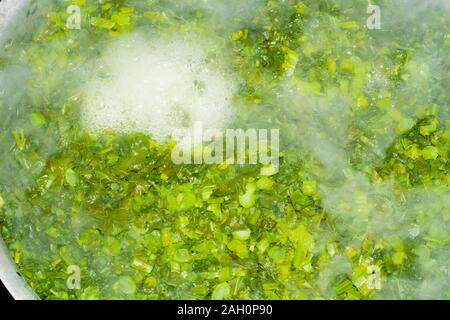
(348, 104)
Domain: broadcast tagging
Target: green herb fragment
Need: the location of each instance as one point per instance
(182, 255)
(112, 246)
(349, 25)
(125, 285)
(248, 199)
(150, 282)
(242, 234)
(309, 188)
(155, 16)
(52, 232)
(264, 183)
(430, 153)
(405, 125)
(239, 248)
(38, 120)
(102, 23)
(107, 6)
(221, 292)
(141, 265)
(362, 102)
(428, 129)
(71, 178)
(269, 170)
(20, 138)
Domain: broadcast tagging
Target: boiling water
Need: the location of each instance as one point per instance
(357, 210)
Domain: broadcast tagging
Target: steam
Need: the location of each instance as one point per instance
(226, 15)
(9, 10)
(360, 205)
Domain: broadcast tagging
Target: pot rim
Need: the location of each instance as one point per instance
(12, 278)
(9, 273)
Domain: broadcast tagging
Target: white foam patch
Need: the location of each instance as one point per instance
(157, 86)
(9, 9)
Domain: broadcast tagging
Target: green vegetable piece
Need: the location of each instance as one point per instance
(277, 254)
(65, 255)
(269, 170)
(107, 6)
(89, 237)
(154, 16)
(330, 65)
(182, 255)
(52, 232)
(2, 202)
(225, 274)
(102, 23)
(150, 282)
(239, 248)
(242, 234)
(309, 188)
(263, 245)
(19, 137)
(141, 265)
(264, 183)
(428, 129)
(362, 102)
(430, 153)
(291, 61)
(342, 285)
(398, 258)
(121, 19)
(248, 199)
(125, 285)
(221, 292)
(71, 178)
(347, 65)
(250, 187)
(112, 246)
(207, 192)
(168, 237)
(38, 120)
(384, 102)
(349, 25)
(405, 125)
